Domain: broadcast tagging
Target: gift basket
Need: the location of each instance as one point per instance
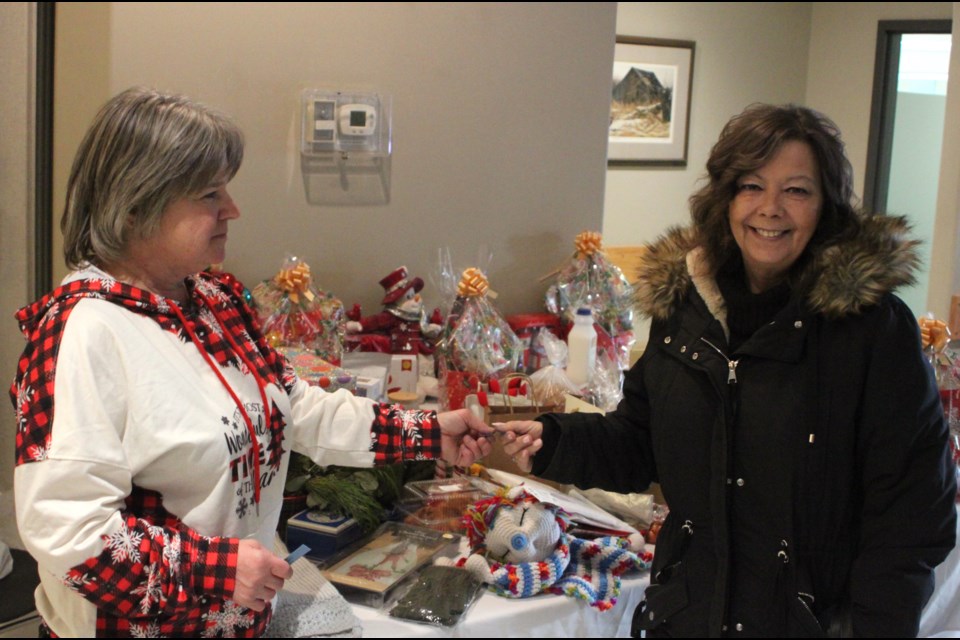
(516, 396)
(945, 358)
(294, 313)
(589, 280)
(476, 344)
(530, 327)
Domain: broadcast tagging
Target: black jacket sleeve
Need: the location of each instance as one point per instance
(611, 451)
(908, 518)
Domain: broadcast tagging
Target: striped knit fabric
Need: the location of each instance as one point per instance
(595, 568)
(527, 579)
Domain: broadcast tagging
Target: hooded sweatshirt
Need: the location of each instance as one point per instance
(152, 437)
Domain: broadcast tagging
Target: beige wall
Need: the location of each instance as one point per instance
(943, 283)
(499, 114)
(843, 44)
(745, 53)
(17, 44)
(81, 86)
(840, 83)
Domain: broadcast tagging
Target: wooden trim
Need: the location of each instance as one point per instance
(43, 153)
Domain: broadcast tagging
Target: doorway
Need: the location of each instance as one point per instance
(906, 132)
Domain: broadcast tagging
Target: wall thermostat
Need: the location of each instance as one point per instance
(357, 120)
(345, 146)
(338, 122)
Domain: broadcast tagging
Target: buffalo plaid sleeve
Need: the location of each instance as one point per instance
(135, 561)
(146, 570)
(399, 434)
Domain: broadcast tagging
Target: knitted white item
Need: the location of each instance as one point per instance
(309, 606)
(519, 543)
(524, 579)
(6, 560)
(525, 532)
(595, 567)
(528, 551)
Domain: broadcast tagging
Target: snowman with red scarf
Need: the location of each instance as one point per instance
(402, 326)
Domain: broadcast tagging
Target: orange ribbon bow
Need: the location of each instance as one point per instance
(296, 282)
(933, 333)
(587, 242)
(472, 283)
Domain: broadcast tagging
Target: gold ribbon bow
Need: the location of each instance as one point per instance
(933, 333)
(472, 283)
(587, 243)
(296, 282)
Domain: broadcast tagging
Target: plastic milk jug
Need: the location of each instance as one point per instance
(582, 348)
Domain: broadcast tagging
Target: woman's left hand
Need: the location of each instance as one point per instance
(463, 440)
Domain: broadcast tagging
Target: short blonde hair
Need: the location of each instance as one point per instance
(144, 150)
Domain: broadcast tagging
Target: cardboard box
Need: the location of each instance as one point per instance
(324, 533)
(370, 388)
(404, 373)
(371, 369)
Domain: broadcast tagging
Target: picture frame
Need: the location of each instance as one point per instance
(650, 102)
(392, 553)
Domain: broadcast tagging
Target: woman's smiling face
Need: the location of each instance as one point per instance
(775, 213)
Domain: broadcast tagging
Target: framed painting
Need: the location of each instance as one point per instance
(650, 102)
(394, 551)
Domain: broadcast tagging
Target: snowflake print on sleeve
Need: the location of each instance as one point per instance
(143, 566)
(226, 622)
(145, 630)
(399, 434)
(124, 545)
(156, 575)
(151, 591)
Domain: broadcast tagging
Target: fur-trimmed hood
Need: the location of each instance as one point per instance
(846, 277)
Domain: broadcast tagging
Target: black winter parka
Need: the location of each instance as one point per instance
(806, 473)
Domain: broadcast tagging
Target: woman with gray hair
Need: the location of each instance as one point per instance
(782, 402)
(154, 421)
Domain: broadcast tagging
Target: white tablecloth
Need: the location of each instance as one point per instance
(561, 616)
(941, 617)
(543, 616)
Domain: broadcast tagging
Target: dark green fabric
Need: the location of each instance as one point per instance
(441, 596)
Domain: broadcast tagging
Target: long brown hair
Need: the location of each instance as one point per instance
(748, 142)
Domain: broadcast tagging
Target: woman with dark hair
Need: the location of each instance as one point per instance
(782, 402)
(154, 421)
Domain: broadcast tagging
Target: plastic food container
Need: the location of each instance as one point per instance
(439, 504)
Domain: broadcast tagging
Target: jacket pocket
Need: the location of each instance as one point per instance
(668, 594)
(801, 619)
(661, 602)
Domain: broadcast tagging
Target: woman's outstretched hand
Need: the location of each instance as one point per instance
(521, 441)
(464, 437)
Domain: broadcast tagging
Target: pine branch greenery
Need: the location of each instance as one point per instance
(362, 494)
